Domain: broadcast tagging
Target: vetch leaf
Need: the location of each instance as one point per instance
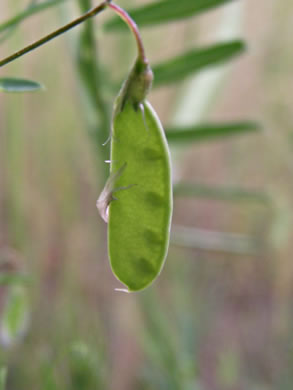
(192, 61)
(235, 194)
(191, 237)
(164, 11)
(8, 84)
(201, 91)
(209, 132)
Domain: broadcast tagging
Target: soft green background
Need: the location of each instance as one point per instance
(220, 315)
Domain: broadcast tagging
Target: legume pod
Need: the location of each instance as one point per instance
(139, 220)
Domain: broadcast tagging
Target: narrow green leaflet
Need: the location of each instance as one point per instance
(209, 132)
(3, 375)
(209, 240)
(164, 11)
(8, 84)
(36, 8)
(221, 193)
(192, 61)
(140, 218)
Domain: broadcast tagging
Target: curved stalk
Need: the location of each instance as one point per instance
(133, 27)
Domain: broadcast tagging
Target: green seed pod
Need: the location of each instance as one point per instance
(139, 220)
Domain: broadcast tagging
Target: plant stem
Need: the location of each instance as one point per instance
(133, 27)
(55, 34)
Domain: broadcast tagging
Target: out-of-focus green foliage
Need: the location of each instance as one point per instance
(15, 316)
(32, 9)
(3, 374)
(230, 194)
(163, 11)
(18, 85)
(9, 278)
(209, 132)
(84, 367)
(180, 67)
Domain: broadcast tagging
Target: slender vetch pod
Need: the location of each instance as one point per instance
(139, 217)
(139, 220)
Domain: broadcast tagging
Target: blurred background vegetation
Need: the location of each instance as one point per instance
(220, 315)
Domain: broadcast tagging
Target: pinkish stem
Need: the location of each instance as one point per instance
(133, 27)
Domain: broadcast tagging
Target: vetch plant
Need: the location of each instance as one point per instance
(70, 321)
(139, 221)
(137, 199)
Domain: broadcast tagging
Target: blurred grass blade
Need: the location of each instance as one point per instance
(158, 340)
(36, 8)
(165, 11)
(182, 66)
(15, 316)
(220, 193)
(9, 278)
(208, 240)
(209, 132)
(8, 84)
(3, 375)
(85, 367)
